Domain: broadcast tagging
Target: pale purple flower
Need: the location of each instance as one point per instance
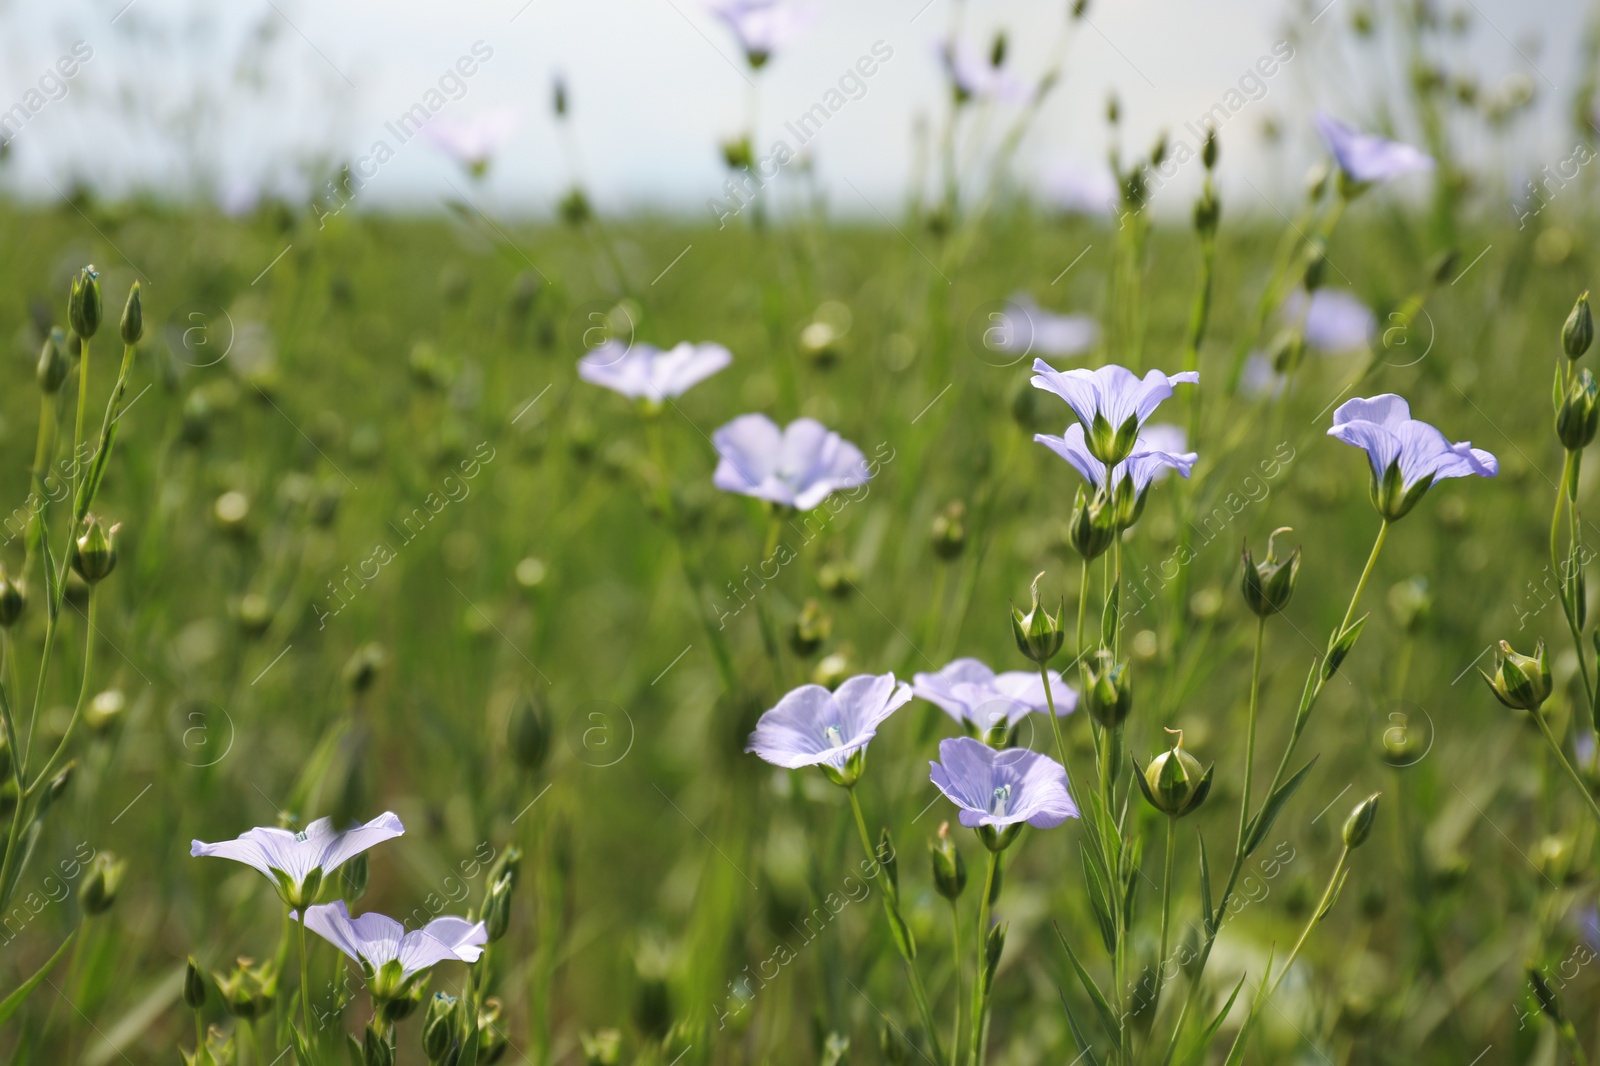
(1155, 453)
(644, 372)
(290, 858)
(472, 142)
(1407, 455)
(1002, 788)
(1367, 157)
(1082, 189)
(1112, 402)
(1335, 321)
(798, 466)
(814, 727)
(763, 26)
(969, 691)
(374, 939)
(974, 77)
(1026, 327)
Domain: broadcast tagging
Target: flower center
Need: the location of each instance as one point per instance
(834, 736)
(300, 837)
(1000, 801)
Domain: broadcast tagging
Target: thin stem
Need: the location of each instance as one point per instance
(980, 1002)
(305, 985)
(1166, 911)
(1377, 546)
(83, 405)
(955, 950)
(892, 901)
(1055, 727)
(1250, 729)
(1561, 757)
(83, 693)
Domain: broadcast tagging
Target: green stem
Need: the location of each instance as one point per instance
(891, 897)
(1166, 912)
(1250, 729)
(83, 694)
(305, 985)
(83, 405)
(1377, 546)
(1561, 757)
(980, 1002)
(955, 955)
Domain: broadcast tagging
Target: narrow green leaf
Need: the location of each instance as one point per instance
(1107, 1017)
(1261, 825)
(1085, 1049)
(1197, 1053)
(1102, 911)
(12, 1003)
(1206, 917)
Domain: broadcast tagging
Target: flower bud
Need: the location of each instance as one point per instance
(1358, 826)
(132, 317)
(83, 303)
(361, 669)
(811, 629)
(737, 154)
(1521, 682)
(892, 1042)
(558, 97)
(94, 553)
(1173, 783)
(1093, 526)
(1208, 152)
(1578, 331)
(54, 363)
(439, 1027)
(1108, 690)
(1316, 266)
(528, 734)
(993, 947)
(950, 529)
(601, 1049)
(496, 914)
(1269, 585)
(194, 985)
(949, 868)
(1038, 635)
(12, 600)
(99, 889)
(1579, 414)
(1207, 211)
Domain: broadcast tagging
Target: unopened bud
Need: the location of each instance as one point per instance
(1038, 635)
(1579, 414)
(811, 629)
(99, 889)
(54, 362)
(1359, 825)
(439, 1027)
(83, 303)
(132, 317)
(194, 985)
(1578, 332)
(375, 1048)
(1174, 783)
(1521, 682)
(12, 600)
(1108, 690)
(94, 553)
(528, 734)
(949, 868)
(1269, 585)
(950, 528)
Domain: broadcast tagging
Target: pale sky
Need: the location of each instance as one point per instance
(172, 99)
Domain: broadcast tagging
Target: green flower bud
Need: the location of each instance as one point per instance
(1358, 826)
(83, 303)
(12, 599)
(1207, 211)
(1108, 690)
(94, 553)
(993, 947)
(250, 991)
(1578, 331)
(1174, 783)
(439, 1027)
(1093, 526)
(353, 877)
(362, 668)
(601, 1049)
(949, 868)
(54, 363)
(528, 734)
(892, 1042)
(132, 317)
(496, 914)
(1579, 415)
(1208, 152)
(737, 154)
(558, 97)
(194, 985)
(99, 889)
(1316, 266)
(1269, 585)
(1521, 682)
(811, 629)
(1038, 635)
(58, 784)
(950, 529)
